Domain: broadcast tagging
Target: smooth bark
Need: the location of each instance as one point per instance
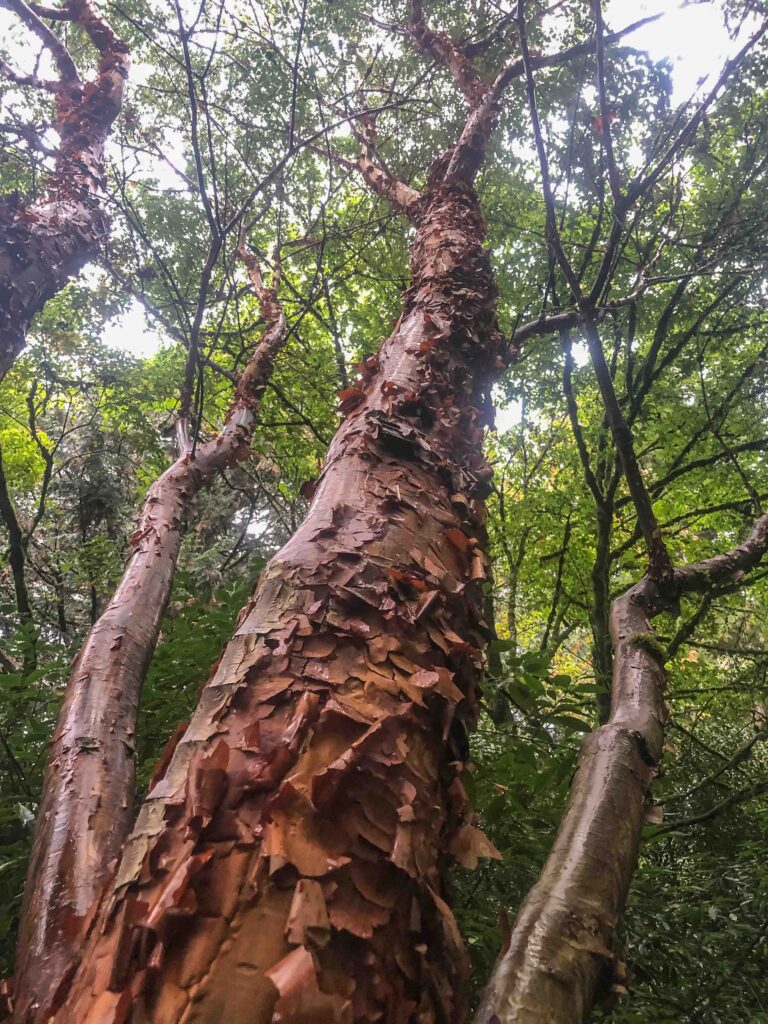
(562, 945)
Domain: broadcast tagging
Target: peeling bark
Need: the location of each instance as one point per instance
(290, 863)
(44, 244)
(561, 947)
(87, 805)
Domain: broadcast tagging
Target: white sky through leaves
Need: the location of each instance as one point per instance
(692, 35)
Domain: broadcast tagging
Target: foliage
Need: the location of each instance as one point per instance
(85, 427)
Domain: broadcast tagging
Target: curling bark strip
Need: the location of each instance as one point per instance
(44, 244)
(561, 948)
(290, 864)
(87, 805)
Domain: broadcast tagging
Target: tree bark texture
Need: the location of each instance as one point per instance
(87, 805)
(563, 937)
(44, 244)
(561, 947)
(290, 863)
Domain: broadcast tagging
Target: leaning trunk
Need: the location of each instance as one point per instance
(45, 244)
(290, 863)
(87, 805)
(562, 943)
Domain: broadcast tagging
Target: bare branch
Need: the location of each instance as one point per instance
(545, 324)
(553, 233)
(578, 49)
(739, 797)
(735, 761)
(475, 47)
(659, 564)
(573, 414)
(32, 80)
(184, 35)
(641, 184)
(48, 38)
(605, 113)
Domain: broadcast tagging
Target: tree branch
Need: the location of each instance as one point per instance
(739, 797)
(659, 564)
(48, 38)
(75, 849)
(445, 51)
(563, 937)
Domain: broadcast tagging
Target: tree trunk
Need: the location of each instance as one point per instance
(17, 564)
(87, 806)
(562, 942)
(290, 863)
(44, 244)
(561, 947)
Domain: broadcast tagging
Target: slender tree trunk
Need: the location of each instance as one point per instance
(44, 244)
(290, 863)
(87, 805)
(563, 937)
(602, 654)
(561, 947)
(16, 557)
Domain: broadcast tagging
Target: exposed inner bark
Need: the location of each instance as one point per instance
(561, 947)
(44, 244)
(290, 864)
(87, 805)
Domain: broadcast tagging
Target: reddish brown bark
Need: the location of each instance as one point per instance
(86, 810)
(561, 947)
(43, 244)
(290, 864)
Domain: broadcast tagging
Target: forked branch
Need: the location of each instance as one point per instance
(87, 803)
(45, 243)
